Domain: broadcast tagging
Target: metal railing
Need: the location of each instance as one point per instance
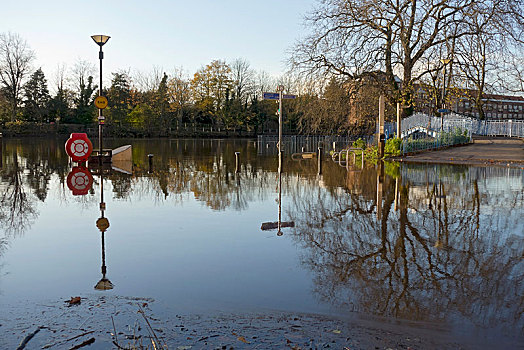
(453, 121)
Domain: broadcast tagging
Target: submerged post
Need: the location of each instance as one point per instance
(237, 162)
(319, 160)
(150, 156)
(381, 136)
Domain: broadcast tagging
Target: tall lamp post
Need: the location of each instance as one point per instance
(100, 40)
(443, 104)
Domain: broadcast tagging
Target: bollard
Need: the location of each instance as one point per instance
(150, 156)
(237, 162)
(319, 161)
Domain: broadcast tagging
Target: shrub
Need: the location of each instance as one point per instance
(392, 148)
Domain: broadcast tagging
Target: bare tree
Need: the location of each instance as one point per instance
(351, 38)
(148, 81)
(15, 65)
(243, 79)
(264, 83)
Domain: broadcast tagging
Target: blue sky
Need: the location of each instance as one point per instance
(158, 33)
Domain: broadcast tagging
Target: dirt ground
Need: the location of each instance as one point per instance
(113, 322)
(483, 151)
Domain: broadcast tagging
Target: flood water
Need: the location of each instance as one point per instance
(430, 244)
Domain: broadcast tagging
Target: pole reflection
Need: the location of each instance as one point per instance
(102, 223)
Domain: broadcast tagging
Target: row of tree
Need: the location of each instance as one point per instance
(404, 47)
(220, 94)
(356, 51)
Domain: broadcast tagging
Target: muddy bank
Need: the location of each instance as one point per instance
(104, 322)
(483, 151)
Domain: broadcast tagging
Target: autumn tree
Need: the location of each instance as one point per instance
(179, 93)
(210, 85)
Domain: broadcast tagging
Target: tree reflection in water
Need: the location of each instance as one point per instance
(17, 208)
(446, 253)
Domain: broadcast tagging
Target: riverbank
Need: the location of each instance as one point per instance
(486, 151)
(109, 321)
(28, 129)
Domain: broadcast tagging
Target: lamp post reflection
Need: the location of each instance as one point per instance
(103, 224)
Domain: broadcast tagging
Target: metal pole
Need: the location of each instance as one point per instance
(100, 117)
(280, 120)
(443, 97)
(279, 227)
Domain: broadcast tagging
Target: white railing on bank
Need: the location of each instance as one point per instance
(452, 122)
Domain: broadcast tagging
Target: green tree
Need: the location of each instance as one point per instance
(119, 96)
(85, 111)
(36, 98)
(160, 105)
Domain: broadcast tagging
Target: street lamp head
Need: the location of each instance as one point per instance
(100, 39)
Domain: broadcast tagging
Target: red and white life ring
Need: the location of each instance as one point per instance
(79, 180)
(79, 147)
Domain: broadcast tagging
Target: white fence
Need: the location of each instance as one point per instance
(508, 128)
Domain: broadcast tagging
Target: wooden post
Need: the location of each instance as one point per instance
(399, 112)
(237, 162)
(280, 161)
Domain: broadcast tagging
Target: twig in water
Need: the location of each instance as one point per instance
(150, 328)
(26, 340)
(114, 329)
(81, 345)
(65, 341)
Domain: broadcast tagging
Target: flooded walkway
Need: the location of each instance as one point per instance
(483, 151)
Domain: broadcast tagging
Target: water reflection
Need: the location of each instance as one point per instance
(279, 224)
(415, 242)
(448, 253)
(102, 223)
(17, 204)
